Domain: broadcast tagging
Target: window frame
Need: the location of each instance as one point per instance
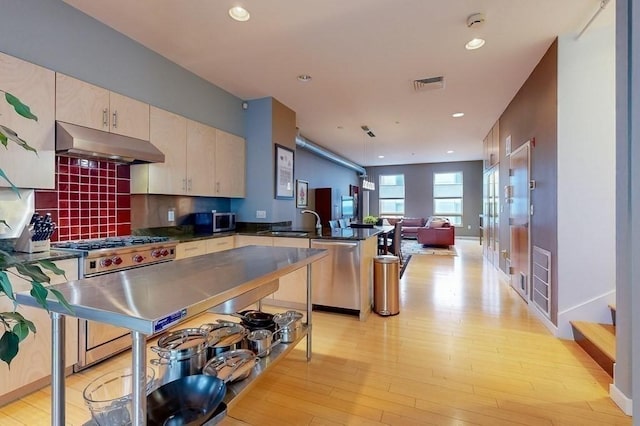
(382, 213)
(450, 215)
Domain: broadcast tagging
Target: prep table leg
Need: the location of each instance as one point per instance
(57, 369)
(309, 309)
(139, 369)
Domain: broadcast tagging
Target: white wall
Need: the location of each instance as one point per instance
(586, 174)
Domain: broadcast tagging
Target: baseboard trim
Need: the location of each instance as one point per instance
(621, 400)
(544, 319)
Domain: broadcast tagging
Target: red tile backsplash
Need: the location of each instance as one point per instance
(91, 199)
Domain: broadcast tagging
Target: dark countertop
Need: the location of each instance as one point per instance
(51, 255)
(185, 234)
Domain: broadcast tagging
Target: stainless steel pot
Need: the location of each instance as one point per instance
(261, 342)
(289, 326)
(225, 336)
(182, 353)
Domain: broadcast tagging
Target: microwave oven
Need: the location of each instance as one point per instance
(210, 222)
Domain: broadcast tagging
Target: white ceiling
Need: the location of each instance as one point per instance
(362, 56)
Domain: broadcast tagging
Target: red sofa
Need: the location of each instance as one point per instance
(410, 226)
(444, 236)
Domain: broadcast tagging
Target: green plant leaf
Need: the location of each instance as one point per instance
(13, 187)
(13, 136)
(4, 140)
(17, 317)
(61, 299)
(20, 108)
(5, 285)
(49, 265)
(39, 292)
(21, 330)
(8, 347)
(32, 271)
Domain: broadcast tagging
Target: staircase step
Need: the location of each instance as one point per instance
(598, 340)
(612, 307)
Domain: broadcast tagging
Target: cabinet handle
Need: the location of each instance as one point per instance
(105, 117)
(189, 184)
(217, 187)
(115, 119)
(184, 184)
(191, 248)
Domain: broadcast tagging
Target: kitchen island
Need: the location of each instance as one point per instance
(155, 298)
(343, 281)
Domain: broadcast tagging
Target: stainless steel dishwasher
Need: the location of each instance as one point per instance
(336, 278)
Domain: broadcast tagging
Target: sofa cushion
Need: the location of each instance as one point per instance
(412, 222)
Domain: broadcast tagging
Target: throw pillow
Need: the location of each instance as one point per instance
(437, 222)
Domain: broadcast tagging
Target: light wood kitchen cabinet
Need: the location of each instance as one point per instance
(292, 292)
(193, 163)
(230, 167)
(87, 105)
(35, 87)
(200, 158)
(191, 249)
(31, 369)
(252, 240)
(169, 135)
(214, 245)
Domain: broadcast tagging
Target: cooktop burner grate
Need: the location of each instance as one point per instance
(109, 242)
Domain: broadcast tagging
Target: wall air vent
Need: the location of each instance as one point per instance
(368, 131)
(431, 83)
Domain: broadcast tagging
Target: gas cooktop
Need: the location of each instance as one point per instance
(109, 242)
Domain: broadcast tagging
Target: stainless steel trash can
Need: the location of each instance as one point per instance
(386, 283)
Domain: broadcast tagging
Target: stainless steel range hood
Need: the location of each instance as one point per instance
(83, 142)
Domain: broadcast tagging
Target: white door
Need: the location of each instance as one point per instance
(519, 220)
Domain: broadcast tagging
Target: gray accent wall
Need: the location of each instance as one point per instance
(418, 181)
(54, 35)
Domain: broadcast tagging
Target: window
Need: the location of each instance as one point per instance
(447, 196)
(391, 199)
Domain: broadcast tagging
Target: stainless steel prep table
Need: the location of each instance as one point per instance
(154, 298)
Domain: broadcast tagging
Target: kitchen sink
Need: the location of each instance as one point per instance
(289, 233)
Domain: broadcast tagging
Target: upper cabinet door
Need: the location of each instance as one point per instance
(129, 117)
(81, 103)
(230, 165)
(169, 135)
(91, 106)
(35, 87)
(201, 151)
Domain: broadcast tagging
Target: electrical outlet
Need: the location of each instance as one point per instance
(261, 214)
(468, 226)
(171, 215)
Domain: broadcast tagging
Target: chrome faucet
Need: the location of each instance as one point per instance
(318, 224)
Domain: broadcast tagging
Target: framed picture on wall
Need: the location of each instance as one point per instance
(302, 194)
(284, 173)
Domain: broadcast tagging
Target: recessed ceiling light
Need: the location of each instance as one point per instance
(457, 114)
(380, 156)
(474, 44)
(239, 13)
(450, 152)
(304, 78)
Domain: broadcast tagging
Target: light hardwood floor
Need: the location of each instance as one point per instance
(463, 350)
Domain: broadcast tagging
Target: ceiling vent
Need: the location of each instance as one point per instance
(368, 131)
(431, 83)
